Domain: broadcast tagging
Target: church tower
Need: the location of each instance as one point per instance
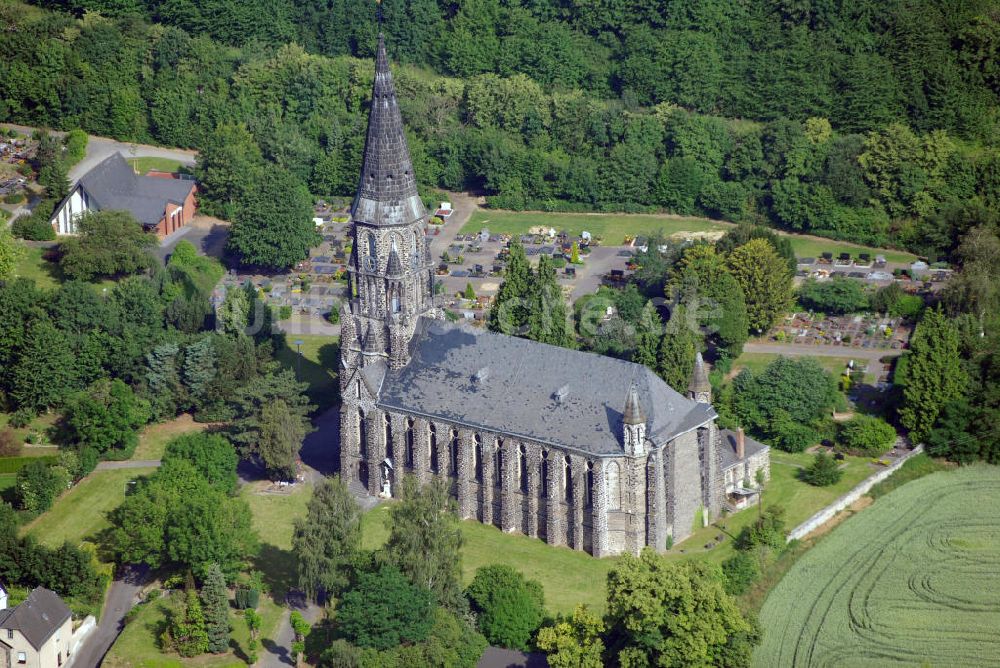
(390, 278)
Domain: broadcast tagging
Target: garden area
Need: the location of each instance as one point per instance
(911, 580)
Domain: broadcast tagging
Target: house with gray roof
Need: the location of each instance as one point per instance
(571, 447)
(37, 633)
(161, 204)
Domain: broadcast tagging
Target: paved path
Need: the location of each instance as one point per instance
(99, 148)
(498, 657)
(128, 464)
(793, 350)
(121, 598)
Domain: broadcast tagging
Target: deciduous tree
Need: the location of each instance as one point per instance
(108, 243)
(327, 538)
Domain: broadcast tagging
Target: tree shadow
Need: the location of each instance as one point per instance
(278, 568)
(278, 651)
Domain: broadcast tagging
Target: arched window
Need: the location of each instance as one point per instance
(409, 442)
(371, 245)
(453, 453)
(568, 479)
(388, 438)
(544, 487)
(477, 453)
(589, 499)
(394, 299)
(362, 435)
(614, 486)
(522, 468)
(498, 465)
(435, 464)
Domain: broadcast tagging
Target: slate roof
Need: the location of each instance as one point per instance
(509, 385)
(750, 447)
(387, 193)
(37, 617)
(113, 185)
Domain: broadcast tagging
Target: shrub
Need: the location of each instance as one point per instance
(867, 436)
(14, 198)
(9, 447)
(247, 598)
(284, 312)
(36, 227)
(385, 610)
(740, 571)
(38, 485)
(508, 606)
(21, 418)
(768, 530)
(840, 295)
(823, 471)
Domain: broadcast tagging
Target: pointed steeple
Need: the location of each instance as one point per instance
(633, 411)
(700, 389)
(370, 344)
(387, 192)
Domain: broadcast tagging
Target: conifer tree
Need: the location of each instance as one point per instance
(648, 337)
(509, 313)
(327, 538)
(547, 318)
(934, 374)
(215, 602)
(678, 346)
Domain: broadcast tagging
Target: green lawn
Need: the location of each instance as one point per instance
(273, 520)
(33, 266)
(138, 645)
(39, 426)
(79, 514)
(154, 438)
(7, 481)
(143, 165)
(569, 577)
(318, 366)
(613, 227)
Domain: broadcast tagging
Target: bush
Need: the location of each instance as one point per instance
(284, 312)
(37, 226)
(385, 610)
(75, 142)
(211, 454)
(740, 571)
(838, 296)
(823, 471)
(21, 418)
(38, 485)
(247, 598)
(340, 654)
(14, 198)
(768, 530)
(9, 447)
(508, 606)
(867, 436)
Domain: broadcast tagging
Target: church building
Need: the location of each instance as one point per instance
(577, 449)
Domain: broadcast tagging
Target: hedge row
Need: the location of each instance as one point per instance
(15, 464)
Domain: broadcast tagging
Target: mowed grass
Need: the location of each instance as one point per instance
(318, 366)
(154, 438)
(912, 580)
(80, 513)
(569, 577)
(757, 362)
(40, 425)
(611, 227)
(139, 644)
(274, 516)
(614, 227)
(144, 165)
(35, 267)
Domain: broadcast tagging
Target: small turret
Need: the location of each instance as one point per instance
(634, 425)
(700, 389)
(394, 268)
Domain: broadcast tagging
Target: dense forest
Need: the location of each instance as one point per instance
(871, 121)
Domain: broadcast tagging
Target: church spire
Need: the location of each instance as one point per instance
(387, 191)
(700, 389)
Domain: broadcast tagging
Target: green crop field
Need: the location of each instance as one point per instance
(912, 580)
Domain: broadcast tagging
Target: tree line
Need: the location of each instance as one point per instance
(890, 146)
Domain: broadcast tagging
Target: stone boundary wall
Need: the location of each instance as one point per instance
(825, 515)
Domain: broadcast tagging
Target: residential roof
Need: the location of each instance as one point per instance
(750, 448)
(37, 617)
(536, 391)
(114, 185)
